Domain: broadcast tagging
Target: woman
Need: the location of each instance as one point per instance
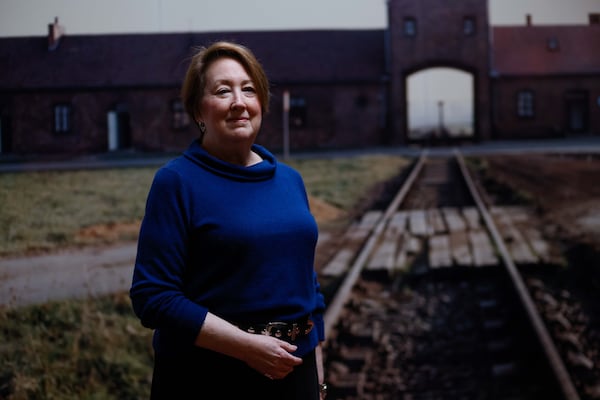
(224, 268)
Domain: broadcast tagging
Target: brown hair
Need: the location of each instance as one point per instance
(194, 82)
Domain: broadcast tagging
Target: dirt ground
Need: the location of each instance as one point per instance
(565, 189)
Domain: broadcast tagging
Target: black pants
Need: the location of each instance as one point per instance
(204, 374)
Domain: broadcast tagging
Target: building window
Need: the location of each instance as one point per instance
(552, 44)
(525, 103)
(62, 118)
(298, 112)
(410, 27)
(469, 26)
(180, 119)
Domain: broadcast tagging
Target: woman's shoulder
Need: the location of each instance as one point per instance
(286, 171)
(179, 170)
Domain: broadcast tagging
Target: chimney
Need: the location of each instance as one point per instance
(55, 32)
(528, 19)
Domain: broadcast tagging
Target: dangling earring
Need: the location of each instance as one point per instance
(202, 127)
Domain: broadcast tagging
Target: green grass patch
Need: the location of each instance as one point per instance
(45, 210)
(343, 182)
(79, 349)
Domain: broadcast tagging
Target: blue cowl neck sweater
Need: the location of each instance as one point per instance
(236, 241)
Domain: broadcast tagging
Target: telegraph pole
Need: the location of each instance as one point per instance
(286, 124)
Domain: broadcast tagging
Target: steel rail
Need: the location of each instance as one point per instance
(334, 309)
(558, 367)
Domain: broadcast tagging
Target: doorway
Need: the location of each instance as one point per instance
(119, 129)
(577, 111)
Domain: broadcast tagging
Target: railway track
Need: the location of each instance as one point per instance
(433, 300)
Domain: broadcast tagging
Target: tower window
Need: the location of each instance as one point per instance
(410, 27)
(469, 26)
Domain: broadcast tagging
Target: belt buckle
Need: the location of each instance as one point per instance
(278, 326)
(278, 329)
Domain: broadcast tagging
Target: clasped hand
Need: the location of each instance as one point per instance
(270, 356)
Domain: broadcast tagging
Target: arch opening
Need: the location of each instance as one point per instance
(440, 104)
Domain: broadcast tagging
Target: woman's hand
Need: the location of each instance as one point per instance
(266, 354)
(270, 356)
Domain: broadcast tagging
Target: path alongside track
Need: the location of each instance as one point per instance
(68, 274)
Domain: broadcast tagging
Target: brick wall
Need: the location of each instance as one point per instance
(439, 41)
(552, 96)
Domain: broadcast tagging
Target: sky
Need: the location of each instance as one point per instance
(31, 17)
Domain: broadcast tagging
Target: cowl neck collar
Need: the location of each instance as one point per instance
(257, 172)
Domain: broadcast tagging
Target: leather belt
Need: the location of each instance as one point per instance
(282, 330)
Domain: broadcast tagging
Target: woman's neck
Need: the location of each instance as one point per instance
(238, 155)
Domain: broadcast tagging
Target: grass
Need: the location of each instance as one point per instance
(86, 349)
(96, 348)
(343, 182)
(44, 211)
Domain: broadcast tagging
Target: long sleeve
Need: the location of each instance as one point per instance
(157, 290)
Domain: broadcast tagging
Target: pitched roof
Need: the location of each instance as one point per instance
(524, 50)
(97, 61)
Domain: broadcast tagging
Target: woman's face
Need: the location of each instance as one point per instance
(230, 107)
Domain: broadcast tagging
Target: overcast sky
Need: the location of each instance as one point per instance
(31, 17)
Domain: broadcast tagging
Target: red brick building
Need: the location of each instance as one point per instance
(64, 95)
(91, 94)
(545, 81)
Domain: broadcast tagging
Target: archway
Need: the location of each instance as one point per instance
(440, 104)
